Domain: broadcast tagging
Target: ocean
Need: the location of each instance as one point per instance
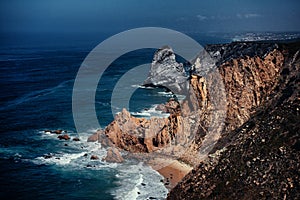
(37, 77)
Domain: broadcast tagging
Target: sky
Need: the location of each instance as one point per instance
(88, 16)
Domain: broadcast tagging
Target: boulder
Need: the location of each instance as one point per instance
(64, 137)
(113, 155)
(137, 134)
(95, 136)
(94, 157)
(57, 132)
(76, 139)
(47, 131)
(47, 156)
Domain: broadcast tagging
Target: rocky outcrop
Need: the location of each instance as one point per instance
(166, 72)
(95, 136)
(76, 139)
(64, 137)
(139, 134)
(172, 106)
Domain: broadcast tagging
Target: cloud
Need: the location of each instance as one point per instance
(248, 15)
(202, 17)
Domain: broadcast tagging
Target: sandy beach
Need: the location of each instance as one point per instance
(173, 171)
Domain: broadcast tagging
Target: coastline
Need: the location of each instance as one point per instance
(173, 171)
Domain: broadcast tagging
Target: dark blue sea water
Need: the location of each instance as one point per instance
(36, 80)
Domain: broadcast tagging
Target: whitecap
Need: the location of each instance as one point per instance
(151, 112)
(62, 159)
(139, 182)
(146, 87)
(167, 94)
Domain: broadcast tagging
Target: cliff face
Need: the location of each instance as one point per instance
(257, 155)
(241, 109)
(249, 82)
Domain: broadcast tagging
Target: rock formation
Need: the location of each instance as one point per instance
(241, 109)
(140, 135)
(166, 72)
(257, 156)
(64, 137)
(114, 156)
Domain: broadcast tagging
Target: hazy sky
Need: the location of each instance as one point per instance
(118, 15)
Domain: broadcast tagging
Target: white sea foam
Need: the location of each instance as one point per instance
(139, 182)
(46, 134)
(141, 114)
(78, 152)
(144, 87)
(135, 86)
(136, 181)
(151, 112)
(167, 94)
(172, 95)
(61, 159)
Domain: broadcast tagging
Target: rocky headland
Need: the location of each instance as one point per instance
(238, 126)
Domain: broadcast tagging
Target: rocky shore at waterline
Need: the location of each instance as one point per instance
(255, 153)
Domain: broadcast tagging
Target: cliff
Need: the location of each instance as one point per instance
(257, 156)
(238, 125)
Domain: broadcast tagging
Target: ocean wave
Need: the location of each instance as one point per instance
(151, 112)
(11, 153)
(59, 159)
(167, 94)
(80, 148)
(136, 181)
(143, 87)
(139, 182)
(172, 95)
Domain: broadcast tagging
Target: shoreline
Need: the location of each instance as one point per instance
(173, 171)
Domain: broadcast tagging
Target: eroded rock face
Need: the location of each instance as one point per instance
(172, 106)
(249, 83)
(141, 135)
(257, 156)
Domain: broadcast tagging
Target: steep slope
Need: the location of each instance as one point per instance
(257, 156)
